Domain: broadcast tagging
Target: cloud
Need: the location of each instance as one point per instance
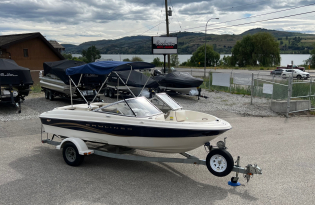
(81, 20)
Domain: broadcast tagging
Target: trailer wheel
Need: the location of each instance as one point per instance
(71, 155)
(158, 90)
(50, 96)
(111, 93)
(46, 93)
(106, 92)
(219, 162)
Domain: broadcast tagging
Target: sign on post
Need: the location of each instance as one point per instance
(267, 88)
(164, 45)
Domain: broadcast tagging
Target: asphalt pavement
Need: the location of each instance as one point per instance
(35, 173)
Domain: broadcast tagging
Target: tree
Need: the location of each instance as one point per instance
(136, 58)
(226, 61)
(67, 56)
(212, 57)
(126, 59)
(174, 60)
(260, 48)
(70, 57)
(157, 62)
(242, 52)
(91, 54)
(266, 51)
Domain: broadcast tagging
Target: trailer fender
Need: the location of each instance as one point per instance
(80, 144)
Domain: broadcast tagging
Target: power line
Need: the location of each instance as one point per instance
(174, 16)
(256, 15)
(255, 21)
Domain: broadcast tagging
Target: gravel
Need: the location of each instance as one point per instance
(217, 102)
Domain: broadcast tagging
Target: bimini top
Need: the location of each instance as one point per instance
(106, 67)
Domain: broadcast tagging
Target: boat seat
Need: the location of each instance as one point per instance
(99, 104)
(180, 115)
(85, 107)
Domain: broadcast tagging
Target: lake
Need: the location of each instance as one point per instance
(285, 58)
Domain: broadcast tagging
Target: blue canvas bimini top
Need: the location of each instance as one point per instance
(106, 67)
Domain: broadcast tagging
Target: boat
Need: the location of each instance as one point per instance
(180, 82)
(138, 83)
(54, 82)
(136, 123)
(15, 82)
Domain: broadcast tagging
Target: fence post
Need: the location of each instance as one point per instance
(252, 89)
(230, 79)
(309, 95)
(289, 95)
(209, 79)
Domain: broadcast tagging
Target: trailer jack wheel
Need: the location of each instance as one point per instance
(219, 162)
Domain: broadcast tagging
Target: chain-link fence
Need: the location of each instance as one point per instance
(281, 95)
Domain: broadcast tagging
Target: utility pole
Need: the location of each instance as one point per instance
(168, 34)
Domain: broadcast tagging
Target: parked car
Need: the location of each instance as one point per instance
(295, 73)
(292, 67)
(276, 72)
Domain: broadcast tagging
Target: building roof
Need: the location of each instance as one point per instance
(8, 40)
(55, 44)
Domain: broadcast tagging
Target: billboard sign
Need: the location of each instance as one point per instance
(164, 45)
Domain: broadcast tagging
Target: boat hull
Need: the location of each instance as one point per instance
(56, 85)
(165, 137)
(188, 91)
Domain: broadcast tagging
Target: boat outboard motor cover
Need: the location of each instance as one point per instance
(178, 79)
(136, 79)
(13, 74)
(58, 68)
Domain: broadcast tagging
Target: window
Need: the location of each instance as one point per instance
(25, 51)
(139, 107)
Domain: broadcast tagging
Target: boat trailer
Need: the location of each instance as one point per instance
(74, 150)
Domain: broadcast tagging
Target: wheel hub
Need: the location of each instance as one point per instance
(218, 163)
(70, 154)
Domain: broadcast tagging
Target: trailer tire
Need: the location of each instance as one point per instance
(50, 96)
(111, 93)
(46, 93)
(158, 90)
(71, 155)
(219, 162)
(106, 92)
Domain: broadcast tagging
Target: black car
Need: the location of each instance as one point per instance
(276, 72)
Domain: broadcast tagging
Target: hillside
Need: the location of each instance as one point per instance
(188, 42)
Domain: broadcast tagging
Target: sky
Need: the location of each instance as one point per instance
(79, 21)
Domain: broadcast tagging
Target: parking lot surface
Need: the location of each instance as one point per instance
(35, 173)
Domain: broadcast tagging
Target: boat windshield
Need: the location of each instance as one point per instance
(169, 101)
(139, 107)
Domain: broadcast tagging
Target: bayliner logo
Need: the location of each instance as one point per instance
(7, 75)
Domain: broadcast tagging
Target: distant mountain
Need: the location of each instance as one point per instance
(188, 42)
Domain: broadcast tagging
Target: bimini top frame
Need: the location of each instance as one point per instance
(104, 68)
